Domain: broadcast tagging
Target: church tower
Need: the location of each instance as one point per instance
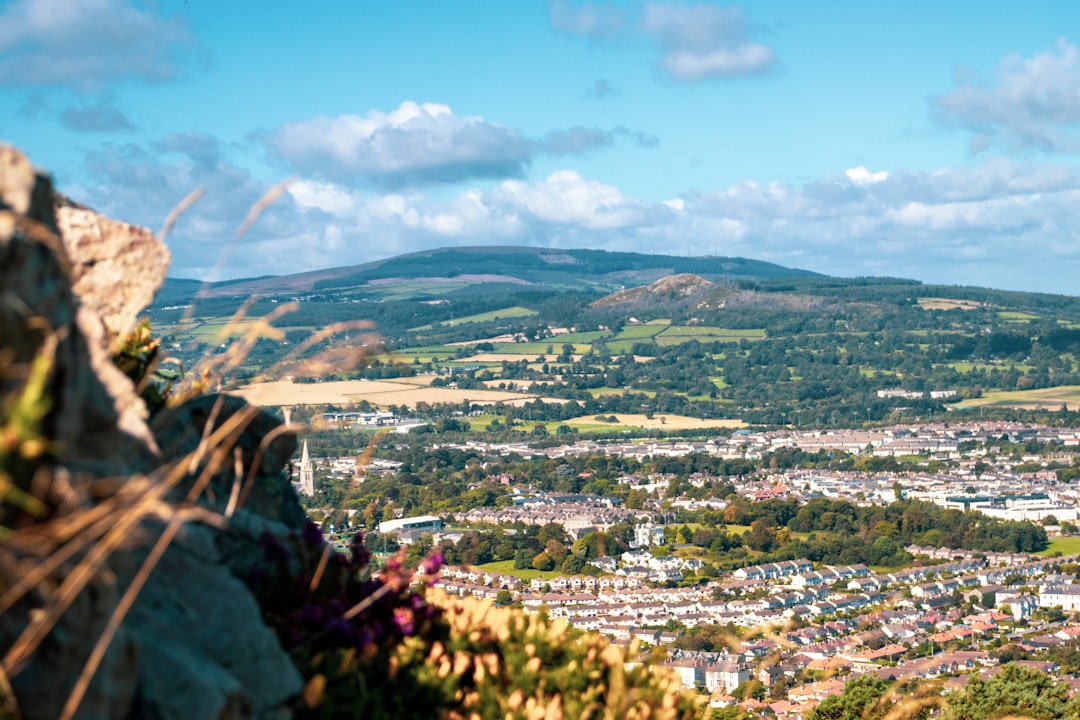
(307, 473)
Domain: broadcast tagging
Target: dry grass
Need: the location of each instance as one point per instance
(661, 422)
(54, 561)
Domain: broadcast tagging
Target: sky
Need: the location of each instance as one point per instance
(926, 140)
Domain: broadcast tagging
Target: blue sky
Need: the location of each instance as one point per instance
(930, 140)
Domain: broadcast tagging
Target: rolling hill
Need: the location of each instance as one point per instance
(598, 270)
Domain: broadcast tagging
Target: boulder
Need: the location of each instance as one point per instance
(193, 645)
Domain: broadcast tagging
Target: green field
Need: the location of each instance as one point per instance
(1067, 546)
(506, 567)
(678, 334)
(535, 349)
(601, 392)
(638, 332)
(966, 367)
(510, 312)
(1046, 398)
(576, 338)
(622, 347)
(1015, 316)
(220, 329)
(410, 290)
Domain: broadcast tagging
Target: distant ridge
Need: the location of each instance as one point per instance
(600, 270)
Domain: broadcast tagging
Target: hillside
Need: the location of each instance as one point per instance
(513, 325)
(578, 269)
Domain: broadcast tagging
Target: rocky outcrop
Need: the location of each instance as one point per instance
(115, 267)
(96, 423)
(193, 645)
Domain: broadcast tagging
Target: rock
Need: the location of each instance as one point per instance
(96, 422)
(179, 430)
(115, 267)
(205, 650)
(193, 645)
(43, 687)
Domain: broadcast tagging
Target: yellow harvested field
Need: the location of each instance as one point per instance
(932, 303)
(407, 391)
(522, 400)
(660, 422)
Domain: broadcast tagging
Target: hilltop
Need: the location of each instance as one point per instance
(688, 291)
(599, 270)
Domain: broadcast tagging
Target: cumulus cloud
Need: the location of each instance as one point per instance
(861, 176)
(95, 119)
(423, 143)
(705, 41)
(988, 224)
(86, 43)
(1029, 103)
(696, 42)
(1000, 223)
(141, 184)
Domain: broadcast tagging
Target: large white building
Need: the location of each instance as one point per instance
(420, 522)
(647, 535)
(1067, 597)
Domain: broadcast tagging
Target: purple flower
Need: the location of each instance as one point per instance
(404, 620)
(432, 563)
(312, 535)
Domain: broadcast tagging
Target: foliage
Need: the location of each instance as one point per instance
(502, 663)
(23, 444)
(139, 359)
(859, 701)
(1014, 691)
(378, 647)
(341, 625)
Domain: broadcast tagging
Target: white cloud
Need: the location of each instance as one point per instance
(705, 41)
(86, 43)
(424, 143)
(566, 198)
(696, 42)
(1030, 103)
(414, 144)
(861, 176)
(999, 223)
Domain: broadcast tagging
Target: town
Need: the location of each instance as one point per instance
(776, 637)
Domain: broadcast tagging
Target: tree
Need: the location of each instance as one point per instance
(543, 562)
(751, 689)
(1015, 691)
(552, 531)
(762, 536)
(859, 696)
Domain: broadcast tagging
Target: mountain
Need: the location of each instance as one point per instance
(598, 270)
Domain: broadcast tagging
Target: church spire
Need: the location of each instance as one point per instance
(307, 473)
